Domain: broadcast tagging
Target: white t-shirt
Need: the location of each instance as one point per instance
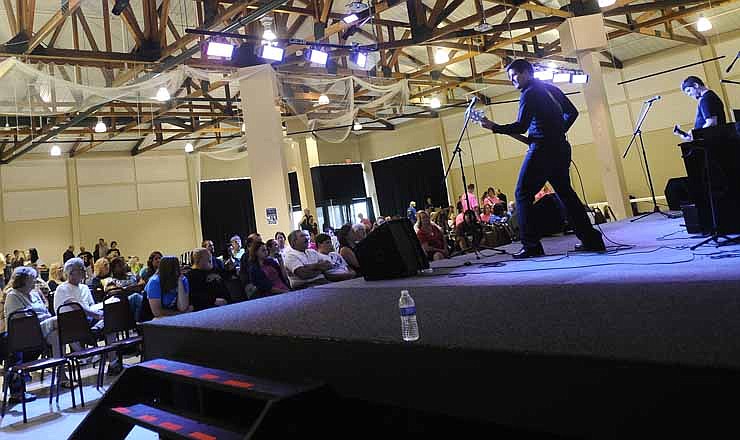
(338, 265)
(295, 259)
(68, 293)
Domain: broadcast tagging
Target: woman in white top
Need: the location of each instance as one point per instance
(73, 290)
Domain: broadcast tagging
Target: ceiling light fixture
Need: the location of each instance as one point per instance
(359, 58)
(270, 52)
(357, 126)
(323, 99)
(55, 151)
(579, 78)
(317, 56)
(351, 18)
(441, 56)
(435, 103)
(219, 50)
(267, 34)
(357, 6)
(482, 27)
(189, 148)
(561, 77)
(606, 3)
(100, 127)
(162, 94)
(703, 24)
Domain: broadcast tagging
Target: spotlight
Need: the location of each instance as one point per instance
(561, 77)
(323, 99)
(357, 126)
(268, 34)
(100, 126)
(703, 24)
(220, 50)
(119, 6)
(359, 58)
(579, 78)
(483, 27)
(318, 57)
(605, 3)
(441, 56)
(356, 7)
(189, 148)
(55, 151)
(543, 75)
(162, 94)
(351, 18)
(270, 52)
(435, 103)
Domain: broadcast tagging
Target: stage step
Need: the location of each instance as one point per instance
(170, 425)
(182, 400)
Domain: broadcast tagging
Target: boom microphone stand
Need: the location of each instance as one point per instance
(638, 135)
(458, 152)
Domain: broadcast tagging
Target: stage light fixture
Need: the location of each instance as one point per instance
(220, 50)
(543, 75)
(359, 58)
(561, 77)
(579, 78)
(162, 94)
(703, 24)
(270, 52)
(318, 57)
(119, 6)
(267, 34)
(189, 148)
(100, 127)
(357, 126)
(55, 151)
(552, 65)
(351, 18)
(323, 99)
(357, 6)
(435, 103)
(605, 3)
(441, 56)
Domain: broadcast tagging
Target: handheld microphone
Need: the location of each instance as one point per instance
(654, 98)
(733, 62)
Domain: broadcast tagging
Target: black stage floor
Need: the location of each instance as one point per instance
(640, 340)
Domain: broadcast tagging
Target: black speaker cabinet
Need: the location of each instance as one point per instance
(677, 193)
(392, 250)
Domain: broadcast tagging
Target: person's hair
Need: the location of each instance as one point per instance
(72, 264)
(116, 261)
(486, 206)
(169, 273)
(113, 242)
(419, 216)
(99, 265)
(469, 215)
(33, 255)
(204, 243)
(251, 238)
(491, 189)
(198, 255)
(471, 186)
(321, 238)
(56, 272)
(236, 238)
(692, 81)
(459, 206)
(253, 248)
(520, 66)
(278, 233)
(150, 261)
(293, 237)
(21, 275)
(270, 243)
(343, 235)
(499, 209)
(114, 251)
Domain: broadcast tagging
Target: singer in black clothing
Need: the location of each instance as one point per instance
(547, 114)
(710, 111)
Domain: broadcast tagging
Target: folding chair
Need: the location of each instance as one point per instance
(118, 320)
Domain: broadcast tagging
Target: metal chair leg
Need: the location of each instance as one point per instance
(60, 373)
(51, 385)
(72, 381)
(79, 376)
(6, 381)
(23, 396)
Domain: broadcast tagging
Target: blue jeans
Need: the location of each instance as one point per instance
(549, 162)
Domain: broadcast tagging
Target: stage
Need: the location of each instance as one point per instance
(585, 345)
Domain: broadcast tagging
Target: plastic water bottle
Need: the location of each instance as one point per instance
(409, 327)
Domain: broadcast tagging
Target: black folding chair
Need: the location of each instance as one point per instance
(24, 335)
(74, 328)
(118, 320)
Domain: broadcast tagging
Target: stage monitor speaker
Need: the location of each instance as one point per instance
(677, 193)
(391, 250)
(691, 219)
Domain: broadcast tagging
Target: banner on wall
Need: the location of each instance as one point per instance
(272, 216)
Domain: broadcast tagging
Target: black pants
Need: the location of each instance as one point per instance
(549, 162)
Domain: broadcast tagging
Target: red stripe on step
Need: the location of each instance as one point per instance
(201, 436)
(208, 376)
(157, 366)
(147, 418)
(184, 372)
(170, 426)
(122, 410)
(239, 384)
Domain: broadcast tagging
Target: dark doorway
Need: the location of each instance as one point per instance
(226, 209)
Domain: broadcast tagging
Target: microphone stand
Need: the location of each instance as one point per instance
(638, 135)
(458, 152)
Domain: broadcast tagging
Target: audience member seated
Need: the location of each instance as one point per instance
(3, 270)
(69, 253)
(216, 263)
(339, 270)
(87, 258)
(490, 197)
(122, 281)
(459, 218)
(56, 276)
(168, 290)
(152, 264)
(207, 288)
(470, 195)
(364, 221)
(245, 278)
(273, 251)
(305, 266)
(431, 238)
(73, 291)
(281, 239)
(265, 272)
(101, 272)
(134, 265)
(485, 217)
(101, 249)
(469, 233)
(500, 214)
(113, 253)
(347, 240)
(236, 248)
(21, 295)
(36, 262)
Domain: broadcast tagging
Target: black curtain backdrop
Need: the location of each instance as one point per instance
(337, 182)
(414, 176)
(295, 193)
(226, 208)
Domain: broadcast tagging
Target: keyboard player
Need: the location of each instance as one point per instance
(710, 111)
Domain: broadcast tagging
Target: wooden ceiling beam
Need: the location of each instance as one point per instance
(11, 16)
(54, 24)
(129, 19)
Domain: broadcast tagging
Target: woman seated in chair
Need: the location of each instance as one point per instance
(430, 236)
(469, 233)
(21, 295)
(123, 282)
(168, 291)
(265, 272)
